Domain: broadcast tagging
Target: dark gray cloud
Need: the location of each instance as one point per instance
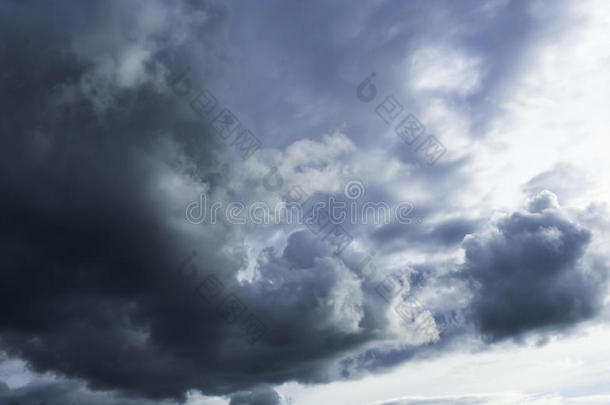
(98, 158)
(89, 254)
(530, 272)
(93, 232)
(61, 393)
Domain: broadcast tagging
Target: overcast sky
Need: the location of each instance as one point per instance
(151, 151)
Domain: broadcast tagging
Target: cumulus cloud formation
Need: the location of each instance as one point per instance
(529, 271)
(91, 238)
(98, 154)
(118, 116)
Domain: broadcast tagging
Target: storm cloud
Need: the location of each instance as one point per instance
(529, 272)
(116, 117)
(98, 278)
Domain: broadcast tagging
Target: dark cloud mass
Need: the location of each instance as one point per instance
(108, 294)
(93, 234)
(89, 253)
(529, 272)
(62, 393)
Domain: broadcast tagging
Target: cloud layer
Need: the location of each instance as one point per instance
(111, 292)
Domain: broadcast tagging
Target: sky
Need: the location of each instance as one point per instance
(286, 203)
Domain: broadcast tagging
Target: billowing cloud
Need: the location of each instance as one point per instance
(109, 291)
(100, 160)
(530, 272)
